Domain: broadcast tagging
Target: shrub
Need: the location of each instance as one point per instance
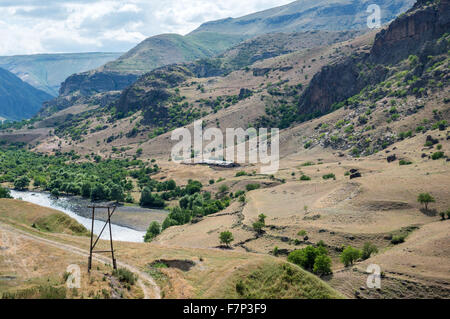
(329, 176)
(124, 275)
(307, 259)
(262, 218)
(226, 238)
(153, 230)
(437, 155)
(305, 178)
(4, 193)
(241, 173)
(223, 188)
(302, 233)
(368, 250)
(350, 255)
(398, 239)
(404, 162)
(442, 214)
(250, 187)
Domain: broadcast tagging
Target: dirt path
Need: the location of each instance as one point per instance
(144, 281)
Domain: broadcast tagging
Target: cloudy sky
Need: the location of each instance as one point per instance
(53, 26)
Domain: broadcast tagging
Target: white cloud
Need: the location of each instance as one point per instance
(35, 26)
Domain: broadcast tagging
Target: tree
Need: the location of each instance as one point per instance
(262, 218)
(99, 192)
(4, 193)
(350, 255)
(226, 238)
(22, 183)
(153, 230)
(55, 193)
(368, 250)
(258, 227)
(117, 193)
(150, 200)
(425, 199)
(322, 265)
(86, 190)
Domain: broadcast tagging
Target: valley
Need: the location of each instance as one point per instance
(363, 174)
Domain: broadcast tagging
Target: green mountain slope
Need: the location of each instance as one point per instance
(46, 71)
(166, 49)
(302, 15)
(19, 100)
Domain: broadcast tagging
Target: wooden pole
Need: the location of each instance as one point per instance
(111, 241)
(92, 238)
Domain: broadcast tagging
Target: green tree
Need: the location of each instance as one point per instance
(350, 255)
(425, 199)
(4, 193)
(153, 230)
(262, 219)
(117, 193)
(226, 238)
(150, 200)
(322, 265)
(21, 183)
(99, 192)
(368, 250)
(86, 190)
(258, 227)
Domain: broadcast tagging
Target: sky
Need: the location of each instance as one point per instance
(63, 26)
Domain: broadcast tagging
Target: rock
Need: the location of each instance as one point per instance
(356, 175)
(391, 158)
(322, 231)
(353, 171)
(305, 238)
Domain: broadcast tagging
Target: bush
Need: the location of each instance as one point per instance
(302, 233)
(250, 187)
(305, 178)
(398, 239)
(124, 275)
(329, 176)
(226, 238)
(241, 173)
(4, 193)
(350, 255)
(262, 219)
(404, 162)
(223, 188)
(368, 250)
(442, 214)
(437, 155)
(153, 230)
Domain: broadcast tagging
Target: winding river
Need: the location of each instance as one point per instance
(62, 204)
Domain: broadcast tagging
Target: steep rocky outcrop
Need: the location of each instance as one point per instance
(150, 93)
(416, 32)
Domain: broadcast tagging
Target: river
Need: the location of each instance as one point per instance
(62, 204)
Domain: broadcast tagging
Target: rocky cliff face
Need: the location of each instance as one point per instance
(406, 35)
(415, 32)
(89, 83)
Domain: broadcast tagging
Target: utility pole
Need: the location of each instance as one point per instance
(111, 209)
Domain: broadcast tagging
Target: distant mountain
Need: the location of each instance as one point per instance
(47, 71)
(303, 15)
(213, 38)
(19, 100)
(167, 49)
